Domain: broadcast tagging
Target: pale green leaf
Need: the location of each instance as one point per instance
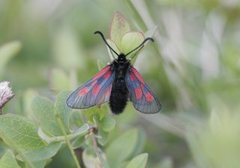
(119, 26)
(104, 137)
(130, 41)
(139, 161)
(8, 160)
(40, 164)
(123, 147)
(19, 132)
(62, 110)
(43, 112)
(44, 153)
(107, 123)
(28, 97)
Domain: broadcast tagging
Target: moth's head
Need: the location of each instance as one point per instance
(121, 55)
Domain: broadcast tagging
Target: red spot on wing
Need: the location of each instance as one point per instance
(107, 75)
(103, 71)
(132, 77)
(83, 91)
(149, 97)
(96, 89)
(138, 92)
(137, 74)
(93, 83)
(108, 92)
(106, 95)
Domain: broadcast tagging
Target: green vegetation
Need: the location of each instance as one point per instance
(47, 49)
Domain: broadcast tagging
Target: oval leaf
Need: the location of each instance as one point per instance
(44, 153)
(123, 147)
(43, 112)
(108, 123)
(139, 161)
(19, 132)
(8, 160)
(119, 26)
(130, 41)
(62, 110)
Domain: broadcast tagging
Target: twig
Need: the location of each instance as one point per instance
(95, 147)
(67, 140)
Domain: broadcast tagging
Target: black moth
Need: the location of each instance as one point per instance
(116, 83)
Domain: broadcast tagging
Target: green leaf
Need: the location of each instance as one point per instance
(104, 137)
(40, 164)
(107, 123)
(62, 110)
(96, 113)
(119, 26)
(43, 153)
(76, 120)
(139, 161)
(19, 132)
(123, 147)
(130, 41)
(43, 112)
(8, 160)
(28, 97)
(78, 142)
(7, 52)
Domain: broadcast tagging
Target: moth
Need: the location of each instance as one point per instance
(116, 83)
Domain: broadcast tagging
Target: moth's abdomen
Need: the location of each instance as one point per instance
(119, 96)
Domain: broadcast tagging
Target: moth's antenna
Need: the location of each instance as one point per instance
(105, 41)
(141, 45)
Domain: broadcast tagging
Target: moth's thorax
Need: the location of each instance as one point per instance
(120, 66)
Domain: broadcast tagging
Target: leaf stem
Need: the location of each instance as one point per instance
(60, 123)
(83, 130)
(96, 149)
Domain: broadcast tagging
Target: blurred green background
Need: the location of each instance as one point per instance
(193, 66)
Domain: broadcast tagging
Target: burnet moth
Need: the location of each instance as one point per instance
(116, 83)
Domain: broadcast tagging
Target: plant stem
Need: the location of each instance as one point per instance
(67, 140)
(95, 147)
(83, 130)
